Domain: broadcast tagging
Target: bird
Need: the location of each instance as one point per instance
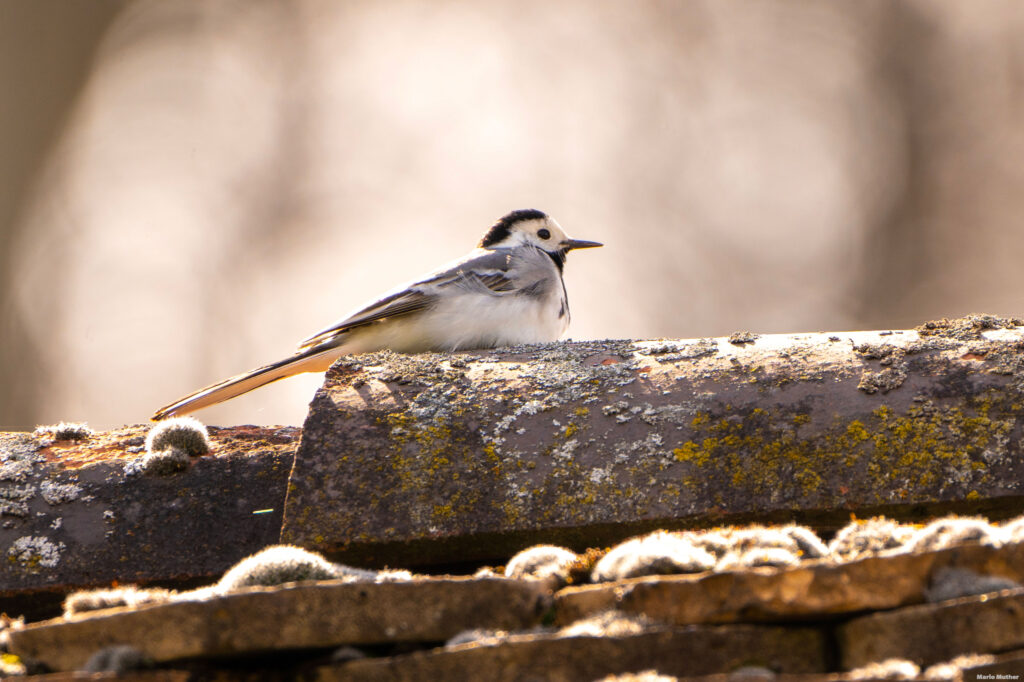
(508, 290)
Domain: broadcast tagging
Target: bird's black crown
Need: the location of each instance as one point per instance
(500, 230)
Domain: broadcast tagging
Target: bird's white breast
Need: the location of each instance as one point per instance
(467, 320)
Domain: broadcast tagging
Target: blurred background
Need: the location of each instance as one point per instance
(188, 188)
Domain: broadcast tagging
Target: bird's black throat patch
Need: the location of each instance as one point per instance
(558, 257)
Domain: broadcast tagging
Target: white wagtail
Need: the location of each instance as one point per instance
(508, 290)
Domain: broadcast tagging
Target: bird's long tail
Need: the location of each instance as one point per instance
(316, 359)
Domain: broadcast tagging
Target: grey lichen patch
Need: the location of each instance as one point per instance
(19, 463)
(878, 351)
(58, 493)
(14, 499)
(887, 380)
(17, 471)
(672, 351)
(33, 552)
(740, 338)
(19, 450)
(968, 328)
(894, 371)
(1000, 357)
(416, 369)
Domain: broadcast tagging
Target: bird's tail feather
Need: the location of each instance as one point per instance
(316, 359)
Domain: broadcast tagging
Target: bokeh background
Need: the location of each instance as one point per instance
(189, 188)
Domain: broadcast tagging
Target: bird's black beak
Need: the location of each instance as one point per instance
(570, 244)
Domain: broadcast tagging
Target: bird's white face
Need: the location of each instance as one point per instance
(544, 233)
(537, 230)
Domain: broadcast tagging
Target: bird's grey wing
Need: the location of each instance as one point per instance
(487, 271)
(516, 273)
(405, 302)
(487, 274)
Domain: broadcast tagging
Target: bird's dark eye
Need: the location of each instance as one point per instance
(543, 233)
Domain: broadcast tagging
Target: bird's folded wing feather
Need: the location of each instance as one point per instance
(486, 273)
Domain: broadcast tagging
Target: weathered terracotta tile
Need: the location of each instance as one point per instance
(932, 633)
(418, 458)
(814, 590)
(301, 616)
(87, 521)
(673, 651)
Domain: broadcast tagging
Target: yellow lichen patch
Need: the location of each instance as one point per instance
(490, 453)
(442, 512)
(691, 452)
(856, 433)
(574, 426)
(513, 512)
(926, 446)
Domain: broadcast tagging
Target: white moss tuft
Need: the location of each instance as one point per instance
(657, 553)
(771, 557)
(388, 575)
(129, 595)
(1013, 530)
(281, 564)
(542, 562)
(807, 541)
(651, 675)
(951, 670)
(478, 637)
(163, 462)
(952, 531)
(64, 431)
(752, 546)
(344, 654)
(891, 669)
(186, 433)
(742, 540)
(607, 624)
(869, 537)
(714, 542)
